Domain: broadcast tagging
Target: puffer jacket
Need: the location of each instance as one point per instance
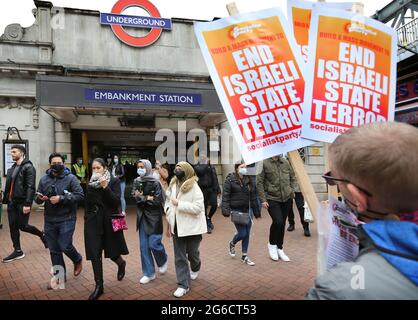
(24, 185)
(68, 188)
(237, 193)
(276, 181)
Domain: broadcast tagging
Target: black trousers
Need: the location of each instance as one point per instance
(210, 199)
(278, 212)
(19, 222)
(300, 202)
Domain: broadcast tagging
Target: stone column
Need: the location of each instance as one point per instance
(63, 139)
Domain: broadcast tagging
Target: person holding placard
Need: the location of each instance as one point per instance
(379, 187)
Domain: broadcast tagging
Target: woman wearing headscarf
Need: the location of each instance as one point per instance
(103, 201)
(150, 198)
(185, 213)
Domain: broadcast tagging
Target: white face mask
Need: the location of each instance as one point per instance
(242, 171)
(141, 172)
(96, 176)
(115, 161)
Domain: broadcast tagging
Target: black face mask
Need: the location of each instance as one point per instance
(57, 168)
(180, 174)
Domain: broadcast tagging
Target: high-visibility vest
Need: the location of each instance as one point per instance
(80, 171)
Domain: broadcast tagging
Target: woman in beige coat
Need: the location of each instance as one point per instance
(185, 213)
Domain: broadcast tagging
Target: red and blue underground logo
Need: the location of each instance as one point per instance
(154, 22)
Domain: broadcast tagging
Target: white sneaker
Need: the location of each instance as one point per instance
(282, 255)
(163, 268)
(247, 261)
(273, 252)
(194, 275)
(145, 279)
(180, 292)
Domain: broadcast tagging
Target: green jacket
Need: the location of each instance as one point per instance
(276, 181)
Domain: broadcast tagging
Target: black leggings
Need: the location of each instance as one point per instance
(97, 265)
(278, 212)
(300, 202)
(211, 199)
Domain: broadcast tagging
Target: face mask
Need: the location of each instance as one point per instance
(141, 172)
(96, 176)
(80, 161)
(180, 174)
(349, 205)
(115, 161)
(57, 168)
(242, 171)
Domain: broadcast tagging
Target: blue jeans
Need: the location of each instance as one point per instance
(243, 234)
(150, 245)
(59, 236)
(122, 195)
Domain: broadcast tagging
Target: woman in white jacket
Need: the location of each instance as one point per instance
(185, 213)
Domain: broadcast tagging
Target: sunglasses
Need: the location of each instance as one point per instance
(332, 181)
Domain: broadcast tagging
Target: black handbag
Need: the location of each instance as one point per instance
(243, 218)
(239, 217)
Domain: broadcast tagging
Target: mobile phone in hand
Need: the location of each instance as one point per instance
(40, 195)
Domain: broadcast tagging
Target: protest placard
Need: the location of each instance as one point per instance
(343, 242)
(351, 72)
(254, 66)
(299, 15)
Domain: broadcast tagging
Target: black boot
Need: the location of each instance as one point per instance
(291, 227)
(208, 225)
(306, 231)
(121, 267)
(98, 278)
(43, 239)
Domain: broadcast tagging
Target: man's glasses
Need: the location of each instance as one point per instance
(332, 181)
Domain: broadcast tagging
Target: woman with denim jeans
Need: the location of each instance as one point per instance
(239, 195)
(149, 197)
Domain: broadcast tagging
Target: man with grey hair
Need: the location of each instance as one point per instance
(376, 169)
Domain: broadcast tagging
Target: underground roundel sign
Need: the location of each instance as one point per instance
(118, 21)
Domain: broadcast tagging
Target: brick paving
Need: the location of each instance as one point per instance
(221, 277)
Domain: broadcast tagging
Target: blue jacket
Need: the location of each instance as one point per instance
(397, 242)
(68, 188)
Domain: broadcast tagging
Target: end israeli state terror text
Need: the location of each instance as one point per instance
(353, 89)
(266, 92)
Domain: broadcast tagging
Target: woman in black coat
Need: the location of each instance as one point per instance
(103, 201)
(149, 196)
(239, 195)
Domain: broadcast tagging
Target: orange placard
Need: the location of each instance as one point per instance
(252, 62)
(352, 71)
(299, 14)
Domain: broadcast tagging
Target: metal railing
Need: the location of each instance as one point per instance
(408, 33)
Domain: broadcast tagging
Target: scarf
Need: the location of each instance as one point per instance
(149, 177)
(189, 179)
(94, 181)
(148, 172)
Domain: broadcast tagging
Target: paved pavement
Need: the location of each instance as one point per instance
(221, 276)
